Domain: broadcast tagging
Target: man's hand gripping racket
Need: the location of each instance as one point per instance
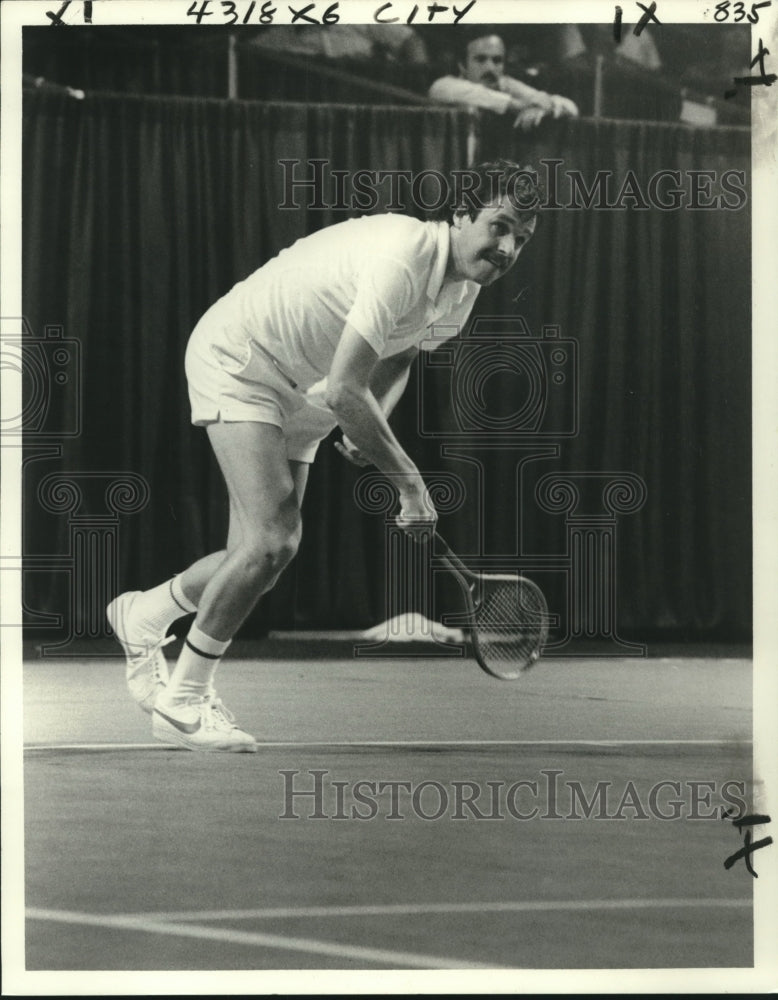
(507, 617)
(417, 516)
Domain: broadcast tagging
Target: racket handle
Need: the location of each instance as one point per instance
(451, 557)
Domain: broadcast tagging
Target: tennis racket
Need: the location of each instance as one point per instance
(506, 618)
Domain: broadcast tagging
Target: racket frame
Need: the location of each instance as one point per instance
(471, 584)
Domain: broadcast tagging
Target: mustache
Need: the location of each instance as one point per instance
(499, 259)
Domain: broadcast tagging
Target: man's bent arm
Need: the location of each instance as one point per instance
(390, 378)
(360, 415)
(513, 95)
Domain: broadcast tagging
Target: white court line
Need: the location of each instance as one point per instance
(149, 924)
(336, 744)
(414, 909)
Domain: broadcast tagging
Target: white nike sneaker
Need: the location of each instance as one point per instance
(201, 724)
(147, 670)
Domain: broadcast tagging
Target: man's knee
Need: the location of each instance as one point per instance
(269, 551)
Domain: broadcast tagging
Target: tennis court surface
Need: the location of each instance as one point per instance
(403, 813)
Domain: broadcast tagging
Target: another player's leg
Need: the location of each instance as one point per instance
(265, 491)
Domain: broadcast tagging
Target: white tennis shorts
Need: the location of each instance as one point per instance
(252, 389)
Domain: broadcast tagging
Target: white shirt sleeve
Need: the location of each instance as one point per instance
(385, 291)
(525, 94)
(454, 90)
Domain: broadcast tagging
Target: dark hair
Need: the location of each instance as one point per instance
(473, 34)
(497, 180)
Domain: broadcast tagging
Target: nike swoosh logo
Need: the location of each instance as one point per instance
(182, 727)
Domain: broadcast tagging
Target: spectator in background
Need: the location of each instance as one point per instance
(482, 84)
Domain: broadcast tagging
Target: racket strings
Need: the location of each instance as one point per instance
(511, 622)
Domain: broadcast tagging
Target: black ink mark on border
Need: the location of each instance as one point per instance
(751, 846)
(764, 79)
(56, 19)
(617, 25)
(649, 15)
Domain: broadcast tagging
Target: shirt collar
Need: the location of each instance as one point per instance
(441, 260)
(459, 289)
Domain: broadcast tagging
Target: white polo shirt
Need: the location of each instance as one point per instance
(382, 274)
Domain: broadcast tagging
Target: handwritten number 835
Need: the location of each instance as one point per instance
(738, 11)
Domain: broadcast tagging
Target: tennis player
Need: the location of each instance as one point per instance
(323, 335)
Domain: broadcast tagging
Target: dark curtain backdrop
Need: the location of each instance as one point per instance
(660, 302)
(139, 212)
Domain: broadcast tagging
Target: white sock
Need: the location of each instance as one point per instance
(162, 605)
(193, 674)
